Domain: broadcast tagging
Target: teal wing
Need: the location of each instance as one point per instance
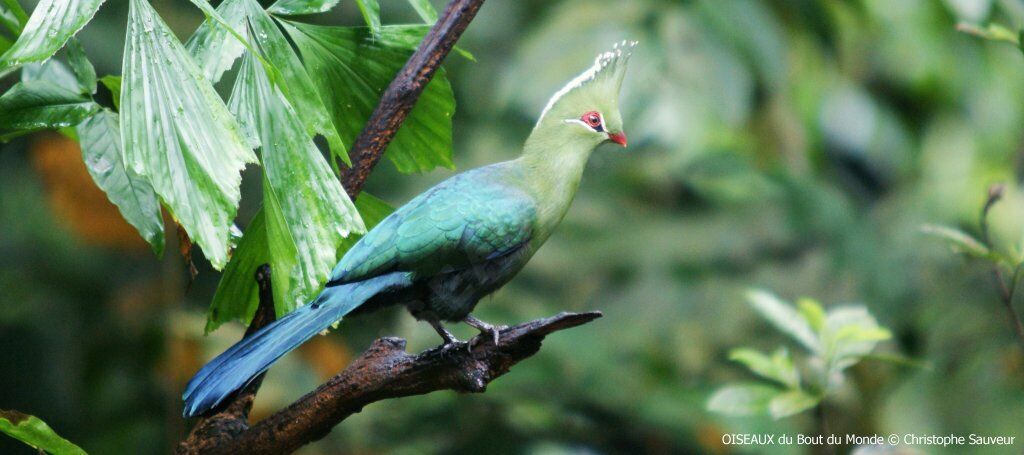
(465, 220)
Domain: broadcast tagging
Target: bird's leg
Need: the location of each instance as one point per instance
(449, 339)
(484, 327)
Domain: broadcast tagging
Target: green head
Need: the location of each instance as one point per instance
(586, 110)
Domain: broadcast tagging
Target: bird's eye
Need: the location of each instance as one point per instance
(593, 120)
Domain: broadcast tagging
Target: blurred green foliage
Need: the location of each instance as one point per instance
(835, 340)
(795, 146)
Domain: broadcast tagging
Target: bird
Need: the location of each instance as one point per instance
(457, 242)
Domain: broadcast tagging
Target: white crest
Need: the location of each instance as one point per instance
(611, 63)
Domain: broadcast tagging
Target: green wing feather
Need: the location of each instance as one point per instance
(469, 218)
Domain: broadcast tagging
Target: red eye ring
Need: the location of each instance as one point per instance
(592, 119)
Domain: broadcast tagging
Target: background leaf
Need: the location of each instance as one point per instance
(784, 317)
(37, 105)
(215, 50)
(992, 32)
(371, 14)
(779, 367)
(52, 23)
(351, 68)
(113, 83)
(212, 46)
(237, 294)
(959, 241)
(178, 133)
(791, 402)
(100, 137)
(304, 203)
(36, 433)
(296, 7)
(13, 16)
(53, 71)
(80, 64)
(425, 10)
(812, 312)
(742, 399)
(282, 247)
(215, 19)
(850, 333)
(301, 92)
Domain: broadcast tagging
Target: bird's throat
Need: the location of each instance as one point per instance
(552, 172)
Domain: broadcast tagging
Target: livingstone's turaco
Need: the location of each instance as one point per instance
(457, 242)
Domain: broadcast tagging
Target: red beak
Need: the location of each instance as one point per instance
(618, 138)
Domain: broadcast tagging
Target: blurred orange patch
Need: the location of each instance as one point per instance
(326, 356)
(74, 197)
(183, 359)
(710, 439)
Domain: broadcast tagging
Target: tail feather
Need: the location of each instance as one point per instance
(237, 366)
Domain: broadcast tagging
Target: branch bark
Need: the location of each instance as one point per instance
(384, 371)
(405, 89)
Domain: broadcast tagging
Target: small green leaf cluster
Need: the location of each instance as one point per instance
(834, 340)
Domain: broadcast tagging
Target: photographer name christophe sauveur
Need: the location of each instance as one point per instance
(946, 440)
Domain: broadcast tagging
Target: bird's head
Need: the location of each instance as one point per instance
(587, 108)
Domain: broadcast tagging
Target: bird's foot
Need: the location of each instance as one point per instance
(484, 328)
(449, 339)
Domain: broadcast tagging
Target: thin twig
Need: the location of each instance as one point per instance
(1006, 295)
(995, 194)
(1007, 292)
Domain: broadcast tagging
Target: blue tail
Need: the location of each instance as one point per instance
(234, 368)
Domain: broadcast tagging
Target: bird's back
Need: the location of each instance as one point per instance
(464, 220)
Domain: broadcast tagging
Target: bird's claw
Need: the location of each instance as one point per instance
(450, 341)
(485, 329)
(479, 339)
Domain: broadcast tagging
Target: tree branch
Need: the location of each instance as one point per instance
(386, 371)
(405, 89)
